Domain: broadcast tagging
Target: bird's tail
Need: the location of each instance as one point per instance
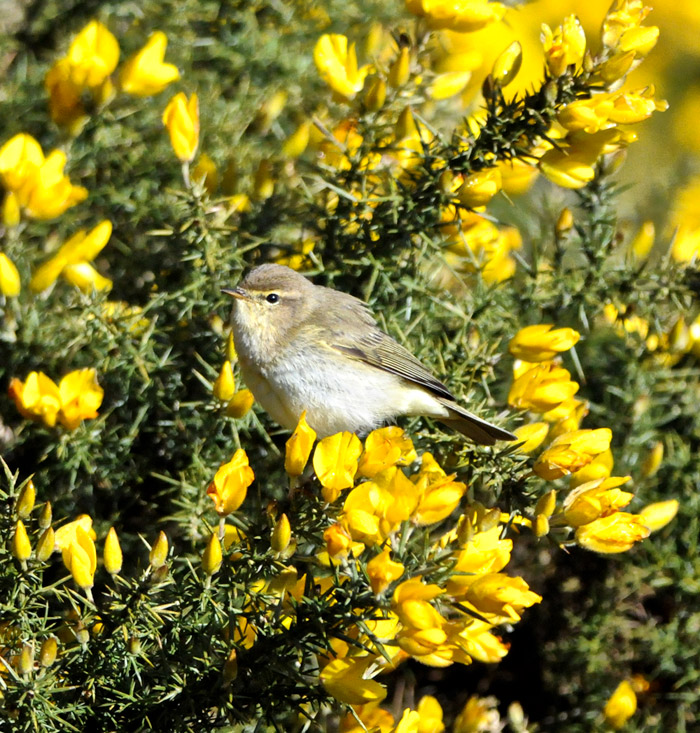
(472, 426)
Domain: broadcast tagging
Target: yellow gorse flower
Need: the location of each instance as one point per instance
(595, 499)
(145, 73)
(540, 343)
(337, 64)
(603, 111)
(386, 447)
(572, 451)
(77, 252)
(346, 679)
(81, 396)
(80, 558)
(438, 493)
(335, 463)
(457, 15)
(500, 597)
(181, 119)
(91, 58)
(621, 706)
(565, 46)
(66, 534)
(542, 387)
(10, 284)
(77, 397)
(298, 447)
(93, 55)
(229, 487)
(612, 534)
(383, 571)
(38, 183)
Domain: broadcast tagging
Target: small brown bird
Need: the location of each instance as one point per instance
(306, 347)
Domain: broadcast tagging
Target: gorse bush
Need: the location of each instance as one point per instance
(170, 558)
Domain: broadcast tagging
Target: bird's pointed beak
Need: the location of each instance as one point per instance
(238, 293)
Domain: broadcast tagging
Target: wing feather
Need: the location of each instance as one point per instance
(381, 351)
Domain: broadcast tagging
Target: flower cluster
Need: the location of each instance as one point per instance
(75, 398)
(592, 508)
(431, 622)
(87, 67)
(34, 183)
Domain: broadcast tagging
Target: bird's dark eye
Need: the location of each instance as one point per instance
(273, 298)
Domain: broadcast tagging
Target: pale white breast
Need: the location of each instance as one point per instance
(336, 395)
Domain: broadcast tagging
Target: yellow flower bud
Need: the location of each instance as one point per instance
(85, 277)
(224, 385)
(621, 706)
(480, 187)
(281, 534)
(45, 545)
(376, 95)
(405, 125)
(231, 354)
(25, 500)
(659, 514)
(21, 546)
(465, 530)
(48, 651)
(11, 213)
(263, 181)
(46, 516)
(159, 552)
(181, 119)
(448, 84)
(239, 405)
(269, 111)
(532, 436)
(565, 222)
(212, 556)
(298, 141)
(112, 553)
(230, 671)
(298, 447)
(400, 69)
(616, 67)
(643, 241)
(507, 65)
(546, 504)
(10, 284)
(541, 525)
(25, 663)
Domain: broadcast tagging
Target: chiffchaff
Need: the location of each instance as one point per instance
(305, 347)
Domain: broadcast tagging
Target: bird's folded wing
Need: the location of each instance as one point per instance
(381, 351)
